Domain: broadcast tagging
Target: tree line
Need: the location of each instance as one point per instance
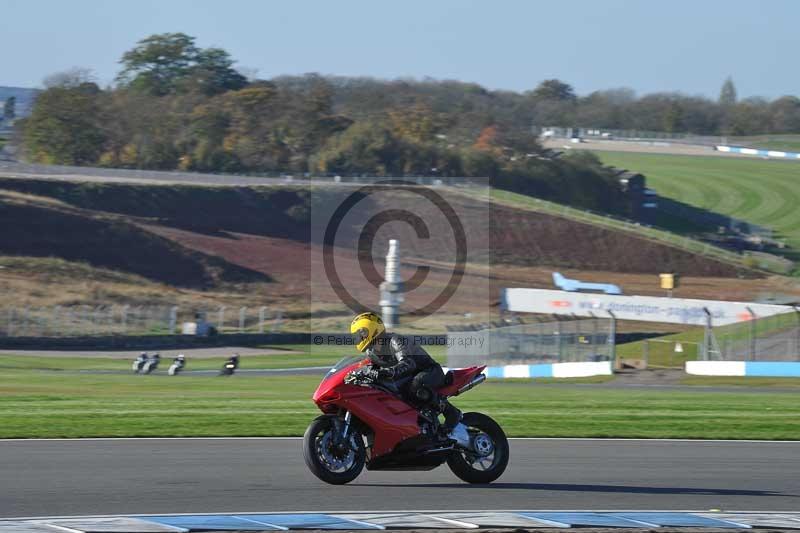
(175, 105)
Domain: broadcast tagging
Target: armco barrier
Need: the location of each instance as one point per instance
(756, 151)
(743, 368)
(554, 370)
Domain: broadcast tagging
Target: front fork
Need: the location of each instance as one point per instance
(342, 429)
(347, 418)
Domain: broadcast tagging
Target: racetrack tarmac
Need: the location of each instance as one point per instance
(82, 477)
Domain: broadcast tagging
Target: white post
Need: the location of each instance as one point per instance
(391, 290)
(173, 319)
(220, 319)
(262, 315)
(276, 324)
(242, 317)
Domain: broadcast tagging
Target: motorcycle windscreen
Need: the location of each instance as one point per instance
(344, 364)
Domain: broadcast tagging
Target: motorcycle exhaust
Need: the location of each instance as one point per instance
(480, 378)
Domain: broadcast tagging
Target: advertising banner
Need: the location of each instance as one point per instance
(642, 308)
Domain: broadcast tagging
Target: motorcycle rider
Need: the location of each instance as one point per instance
(395, 357)
(140, 361)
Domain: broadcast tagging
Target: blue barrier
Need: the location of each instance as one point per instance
(758, 152)
(772, 369)
(551, 370)
(775, 369)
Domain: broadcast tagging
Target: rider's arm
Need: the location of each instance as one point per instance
(405, 362)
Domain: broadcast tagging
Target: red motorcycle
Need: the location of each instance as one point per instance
(367, 423)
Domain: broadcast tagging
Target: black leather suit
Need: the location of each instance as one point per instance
(405, 358)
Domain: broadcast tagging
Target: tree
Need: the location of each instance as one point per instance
(785, 113)
(169, 63)
(70, 78)
(727, 95)
(213, 73)
(10, 108)
(63, 127)
(554, 90)
(364, 147)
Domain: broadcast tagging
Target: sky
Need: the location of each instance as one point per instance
(677, 45)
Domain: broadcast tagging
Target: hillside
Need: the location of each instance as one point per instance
(764, 192)
(255, 246)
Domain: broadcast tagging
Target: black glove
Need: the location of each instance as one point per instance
(385, 373)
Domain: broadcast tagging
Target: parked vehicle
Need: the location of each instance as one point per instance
(368, 423)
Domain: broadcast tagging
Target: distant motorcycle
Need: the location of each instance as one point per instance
(230, 366)
(177, 365)
(151, 364)
(139, 362)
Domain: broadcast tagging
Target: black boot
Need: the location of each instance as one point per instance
(452, 416)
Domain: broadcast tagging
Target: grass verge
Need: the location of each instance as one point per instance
(44, 404)
(733, 381)
(764, 192)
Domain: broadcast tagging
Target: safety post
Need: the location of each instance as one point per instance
(752, 334)
(612, 339)
(706, 334)
(262, 316)
(173, 319)
(797, 332)
(221, 318)
(242, 318)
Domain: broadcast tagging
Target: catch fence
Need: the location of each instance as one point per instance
(630, 135)
(774, 338)
(87, 321)
(552, 341)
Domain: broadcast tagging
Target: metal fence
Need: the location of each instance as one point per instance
(556, 341)
(774, 338)
(81, 321)
(630, 135)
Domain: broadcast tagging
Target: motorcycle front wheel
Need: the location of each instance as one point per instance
(333, 462)
(488, 457)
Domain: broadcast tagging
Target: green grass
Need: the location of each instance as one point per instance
(47, 404)
(728, 381)
(295, 356)
(76, 364)
(660, 352)
(765, 192)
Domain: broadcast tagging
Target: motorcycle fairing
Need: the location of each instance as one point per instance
(394, 422)
(461, 377)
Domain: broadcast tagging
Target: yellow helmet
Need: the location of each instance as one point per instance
(366, 327)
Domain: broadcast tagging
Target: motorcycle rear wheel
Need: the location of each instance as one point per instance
(320, 454)
(472, 467)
